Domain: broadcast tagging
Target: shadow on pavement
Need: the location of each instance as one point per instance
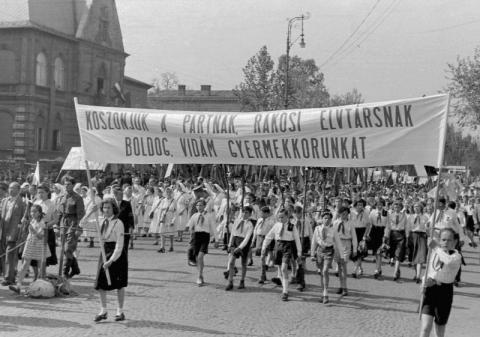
(171, 326)
(11, 323)
(160, 270)
(181, 327)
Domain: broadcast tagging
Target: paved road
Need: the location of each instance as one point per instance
(163, 300)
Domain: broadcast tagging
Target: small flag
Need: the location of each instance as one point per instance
(36, 175)
(169, 170)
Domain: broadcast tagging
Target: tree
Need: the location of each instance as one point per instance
(263, 87)
(256, 92)
(306, 88)
(460, 150)
(167, 81)
(465, 84)
(349, 98)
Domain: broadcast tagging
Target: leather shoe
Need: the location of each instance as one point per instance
(73, 273)
(120, 317)
(6, 283)
(14, 288)
(100, 317)
(277, 281)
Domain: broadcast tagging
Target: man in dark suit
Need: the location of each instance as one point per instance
(125, 214)
(12, 215)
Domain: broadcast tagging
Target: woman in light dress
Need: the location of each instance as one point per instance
(147, 203)
(183, 200)
(166, 219)
(154, 216)
(89, 221)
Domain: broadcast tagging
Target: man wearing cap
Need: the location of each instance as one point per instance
(72, 210)
(12, 212)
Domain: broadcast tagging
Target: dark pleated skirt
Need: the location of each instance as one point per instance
(376, 238)
(397, 245)
(419, 247)
(118, 270)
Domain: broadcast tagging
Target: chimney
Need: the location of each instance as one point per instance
(205, 89)
(181, 89)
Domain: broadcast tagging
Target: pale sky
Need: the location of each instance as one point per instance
(401, 50)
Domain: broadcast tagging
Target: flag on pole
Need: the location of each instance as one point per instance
(36, 175)
(169, 170)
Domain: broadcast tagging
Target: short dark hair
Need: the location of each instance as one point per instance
(248, 209)
(327, 213)
(452, 204)
(70, 179)
(39, 209)
(112, 202)
(265, 209)
(44, 187)
(361, 201)
(448, 229)
(201, 201)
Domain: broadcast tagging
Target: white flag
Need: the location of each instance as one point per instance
(36, 175)
(169, 170)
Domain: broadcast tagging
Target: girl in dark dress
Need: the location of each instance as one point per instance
(112, 233)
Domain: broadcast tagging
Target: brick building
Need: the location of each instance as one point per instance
(50, 52)
(204, 99)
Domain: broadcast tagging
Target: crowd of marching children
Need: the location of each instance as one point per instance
(283, 224)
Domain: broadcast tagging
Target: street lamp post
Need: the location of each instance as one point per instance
(289, 45)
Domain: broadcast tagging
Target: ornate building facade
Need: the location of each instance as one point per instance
(50, 52)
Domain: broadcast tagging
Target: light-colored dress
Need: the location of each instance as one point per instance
(90, 223)
(146, 209)
(167, 216)
(181, 211)
(35, 244)
(155, 221)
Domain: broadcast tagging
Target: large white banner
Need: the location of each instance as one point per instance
(401, 132)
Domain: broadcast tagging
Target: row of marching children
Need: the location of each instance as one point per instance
(278, 231)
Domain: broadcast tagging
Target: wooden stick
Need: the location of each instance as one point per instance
(432, 225)
(102, 247)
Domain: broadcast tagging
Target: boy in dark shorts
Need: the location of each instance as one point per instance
(201, 226)
(438, 296)
(239, 246)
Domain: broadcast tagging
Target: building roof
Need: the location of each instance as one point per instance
(131, 80)
(74, 18)
(194, 93)
(17, 13)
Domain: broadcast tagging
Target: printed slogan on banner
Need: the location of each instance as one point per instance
(399, 132)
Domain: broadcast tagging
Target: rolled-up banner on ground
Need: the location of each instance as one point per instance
(401, 132)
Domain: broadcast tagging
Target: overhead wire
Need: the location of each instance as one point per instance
(339, 49)
(368, 32)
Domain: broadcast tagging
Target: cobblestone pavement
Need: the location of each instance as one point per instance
(163, 300)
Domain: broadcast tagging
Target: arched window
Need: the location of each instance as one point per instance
(41, 70)
(7, 67)
(59, 74)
